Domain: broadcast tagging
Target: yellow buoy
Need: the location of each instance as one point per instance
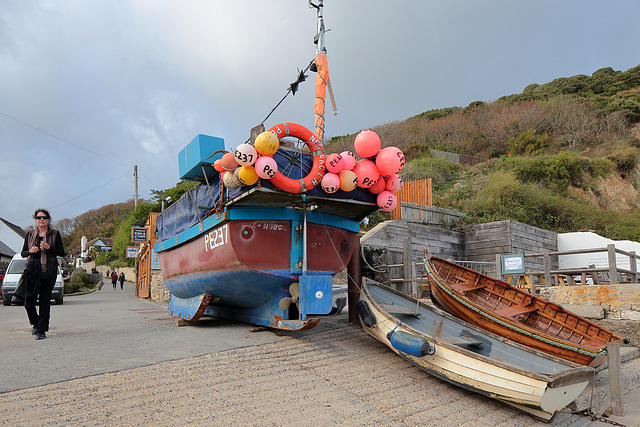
(267, 144)
(247, 175)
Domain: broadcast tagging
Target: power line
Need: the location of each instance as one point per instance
(83, 194)
(64, 140)
(92, 190)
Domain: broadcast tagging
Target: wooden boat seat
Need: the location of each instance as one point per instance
(463, 289)
(399, 309)
(515, 310)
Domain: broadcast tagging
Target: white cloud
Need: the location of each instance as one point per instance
(132, 82)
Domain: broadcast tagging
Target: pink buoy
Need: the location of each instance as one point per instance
(335, 163)
(390, 160)
(246, 155)
(266, 167)
(348, 180)
(349, 160)
(378, 187)
(367, 173)
(367, 144)
(330, 182)
(228, 162)
(393, 182)
(387, 201)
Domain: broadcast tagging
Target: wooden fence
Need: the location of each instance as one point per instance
(612, 274)
(409, 276)
(416, 192)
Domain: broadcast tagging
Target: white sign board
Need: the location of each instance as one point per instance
(132, 252)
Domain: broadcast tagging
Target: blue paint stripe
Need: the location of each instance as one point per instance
(257, 213)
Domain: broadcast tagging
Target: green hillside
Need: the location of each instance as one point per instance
(561, 156)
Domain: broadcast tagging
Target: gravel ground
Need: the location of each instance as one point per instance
(339, 376)
(625, 328)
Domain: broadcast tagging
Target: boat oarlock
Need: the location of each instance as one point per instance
(314, 177)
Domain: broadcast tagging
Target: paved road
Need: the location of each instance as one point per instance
(111, 358)
(106, 331)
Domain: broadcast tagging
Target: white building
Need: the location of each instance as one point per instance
(11, 240)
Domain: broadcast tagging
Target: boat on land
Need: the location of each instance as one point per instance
(262, 253)
(515, 314)
(467, 356)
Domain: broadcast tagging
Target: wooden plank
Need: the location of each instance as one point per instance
(615, 378)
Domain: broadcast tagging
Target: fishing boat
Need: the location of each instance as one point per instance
(515, 314)
(262, 253)
(469, 357)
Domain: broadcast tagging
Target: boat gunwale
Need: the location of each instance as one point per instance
(206, 224)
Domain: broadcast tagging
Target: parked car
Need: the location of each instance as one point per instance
(12, 275)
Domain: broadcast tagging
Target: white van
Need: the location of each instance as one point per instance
(12, 275)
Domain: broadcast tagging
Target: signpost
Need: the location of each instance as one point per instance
(132, 252)
(139, 234)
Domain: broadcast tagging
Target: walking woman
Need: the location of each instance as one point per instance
(41, 247)
(121, 279)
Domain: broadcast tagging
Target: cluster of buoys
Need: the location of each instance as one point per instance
(377, 170)
(248, 162)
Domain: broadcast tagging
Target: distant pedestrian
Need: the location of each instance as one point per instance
(114, 279)
(108, 275)
(121, 280)
(365, 222)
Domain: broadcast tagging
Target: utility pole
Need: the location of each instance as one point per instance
(135, 185)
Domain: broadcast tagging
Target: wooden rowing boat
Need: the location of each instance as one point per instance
(513, 313)
(469, 357)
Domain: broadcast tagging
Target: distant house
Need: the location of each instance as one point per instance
(105, 244)
(85, 248)
(11, 240)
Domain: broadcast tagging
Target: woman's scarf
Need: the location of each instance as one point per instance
(33, 241)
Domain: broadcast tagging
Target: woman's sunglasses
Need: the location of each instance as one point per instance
(42, 217)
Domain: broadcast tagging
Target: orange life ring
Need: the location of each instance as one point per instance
(317, 151)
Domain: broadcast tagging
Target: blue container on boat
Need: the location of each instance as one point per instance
(196, 154)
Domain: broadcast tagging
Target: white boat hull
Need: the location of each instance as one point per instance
(540, 394)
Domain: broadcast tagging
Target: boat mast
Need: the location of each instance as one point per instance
(319, 38)
(319, 109)
(322, 71)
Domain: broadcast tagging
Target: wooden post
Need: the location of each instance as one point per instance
(498, 267)
(613, 270)
(633, 266)
(407, 261)
(414, 280)
(547, 268)
(354, 281)
(615, 380)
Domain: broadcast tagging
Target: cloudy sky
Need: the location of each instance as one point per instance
(90, 88)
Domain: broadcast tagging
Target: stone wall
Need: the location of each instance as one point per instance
(597, 301)
(159, 291)
(129, 272)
